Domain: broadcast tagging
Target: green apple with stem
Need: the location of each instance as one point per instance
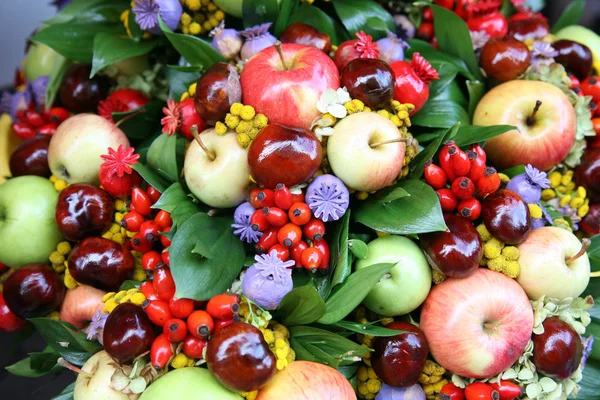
(28, 230)
(408, 283)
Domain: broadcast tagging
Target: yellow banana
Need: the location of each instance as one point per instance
(8, 142)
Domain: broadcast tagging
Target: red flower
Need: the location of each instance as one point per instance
(109, 106)
(119, 162)
(172, 118)
(423, 68)
(366, 46)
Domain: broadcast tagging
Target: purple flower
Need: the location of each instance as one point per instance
(391, 48)
(38, 89)
(542, 53)
(404, 28)
(268, 280)
(414, 392)
(530, 184)
(587, 349)
(19, 101)
(257, 38)
(147, 12)
(327, 197)
(479, 39)
(96, 327)
(241, 223)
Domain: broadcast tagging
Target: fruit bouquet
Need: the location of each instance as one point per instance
(324, 200)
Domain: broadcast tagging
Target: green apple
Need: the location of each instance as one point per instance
(584, 36)
(233, 7)
(408, 283)
(75, 149)
(28, 231)
(96, 385)
(188, 384)
(39, 61)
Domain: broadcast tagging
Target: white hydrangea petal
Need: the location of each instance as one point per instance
(329, 96)
(525, 374)
(337, 110)
(343, 95)
(548, 385)
(533, 390)
(322, 107)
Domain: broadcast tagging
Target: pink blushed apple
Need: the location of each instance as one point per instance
(477, 326)
(544, 137)
(288, 94)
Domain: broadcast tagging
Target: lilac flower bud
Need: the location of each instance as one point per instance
(268, 280)
(228, 42)
(391, 48)
(257, 38)
(414, 392)
(327, 197)
(529, 185)
(147, 12)
(241, 224)
(38, 90)
(19, 101)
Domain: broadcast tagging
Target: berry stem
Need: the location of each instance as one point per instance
(531, 119)
(585, 244)
(64, 363)
(377, 144)
(211, 155)
(280, 52)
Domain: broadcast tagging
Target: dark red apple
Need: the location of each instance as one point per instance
(575, 57)
(587, 174)
(34, 290)
(369, 80)
(78, 93)
(506, 216)
(557, 352)
(456, 253)
(84, 210)
(31, 157)
(284, 155)
(128, 332)
(101, 263)
(238, 356)
(505, 59)
(306, 35)
(399, 360)
(216, 91)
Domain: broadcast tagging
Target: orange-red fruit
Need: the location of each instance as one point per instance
(223, 306)
(200, 324)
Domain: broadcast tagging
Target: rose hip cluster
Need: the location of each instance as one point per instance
(460, 178)
(590, 86)
(503, 390)
(289, 228)
(30, 122)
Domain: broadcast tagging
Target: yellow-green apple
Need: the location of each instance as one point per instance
(305, 380)
(365, 151)
(545, 121)
(287, 87)
(188, 383)
(28, 230)
(477, 326)
(94, 382)
(408, 283)
(75, 149)
(553, 263)
(39, 61)
(217, 175)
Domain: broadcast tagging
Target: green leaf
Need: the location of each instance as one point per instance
(163, 156)
(319, 345)
(67, 393)
(353, 291)
(514, 171)
(418, 213)
(395, 194)
(180, 78)
(590, 382)
(151, 176)
(470, 134)
(195, 50)
(140, 123)
(317, 18)
(259, 11)
(136, 32)
(340, 261)
(570, 16)
(59, 70)
(90, 11)
(37, 364)
(476, 91)
(355, 15)
(76, 40)
(302, 306)
(358, 248)
(438, 58)
(130, 284)
(453, 38)
(417, 165)
(440, 114)
(286, 9)
(108, 49)
(368, 329)
(197, 277)
(171, 198)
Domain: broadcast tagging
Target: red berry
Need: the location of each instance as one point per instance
(175, 330)
(9, 322)
(259, 222)
(463, 188)
(425, 31)
(434, 175)
(200, 324)
(314, 229)
(289, 235)
(477, 166)
(449, 4)
(312, 258)
(164, 283)
(283, 197)
(451, 392)
(275, 216)
(47, 129)
(591, 87)
(222, 323)
(223, 306)
(428, 14)
(163, 219)
(260, 198)
(141, 201)
(181, 308)
(150, 260)
(281, 252)
(147, 289)
(480, 152)
(480, 391)
(507, 390)
(158, 311)
(469, 209)
(448, 200)
(296, 252)
(149, 231)
(448, 150)
(132, 221)
(58, 114)
(23, 131)
(493, 24)
(153, 193)
(193, 347)
(298, 198)
(34, 119)
(489, 181)
(324, 248)
(165, 241)
(267, 240)
(460, 163)
(161, 351)
(299, 213)
(165, 258)
(140, 244)
(121, 100)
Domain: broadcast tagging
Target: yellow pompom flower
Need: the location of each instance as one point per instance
(535, 210)
(232, 121)
(195, 28)
(247, 113)
(236, 109)
(63, 248)
(555, 178)
(220, 128)
(492, 248)
(260, 121)
(179, 361)
(484, 234)
(138, 299)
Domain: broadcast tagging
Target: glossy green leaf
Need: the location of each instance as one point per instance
(198, 277)
(59, 70)
(137, 33)
(340, 261)
(358, 248)
(453, 38)
(436, 58)
(440, 114)
(514, 171)
(470, 134)
(171, 198)
(90, 11)
(317, 18)
(195, 50)
(476, 91)
(593, 287)
(165, 156)
(152, 177)
(302, 306)
(259, 11)
(141, 123)
(417, 165)
(368, 329)
(570, 16)
(286, 9)
(130, 284)
(68, 393)
(37, 364)
(590, 382)
(180, 78)
(353, 291)
(355, 15)
(418, 213)
(108, 49)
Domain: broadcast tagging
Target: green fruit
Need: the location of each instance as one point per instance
(408, 283)
(584, 36)
(190, 384)
(231, 7)
(39, 61)
(28, 231)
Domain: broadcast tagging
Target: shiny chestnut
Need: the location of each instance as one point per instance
(575, 57)
(528, 28)
(31, 157)
(370, 80)
(558, 351)
(505, 59)
(79, 93)
(307, 35)
(506, 216)
(216, 91)
(128, 332)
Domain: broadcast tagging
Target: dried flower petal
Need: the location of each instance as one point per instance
(366, 46)
(241, 224)
(327, 197)
(423, 68)
(172, 118)
(119, 162)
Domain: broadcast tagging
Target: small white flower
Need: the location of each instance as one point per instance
(332, 101)
(325, 131)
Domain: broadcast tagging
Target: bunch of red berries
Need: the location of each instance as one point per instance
(504, 390)
(30, 122)
(289, 228)
(460, 177)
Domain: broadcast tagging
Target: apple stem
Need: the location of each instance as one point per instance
(531, 119)
(488, 326)
(280, 52)
(595, 274)
(585, 244)
(128, 117)
(64, 363)
(210, 154)
(377, 144)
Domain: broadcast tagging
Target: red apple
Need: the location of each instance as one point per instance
(287, 90)
(80, 305)
(544, 137)
(477, 326)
